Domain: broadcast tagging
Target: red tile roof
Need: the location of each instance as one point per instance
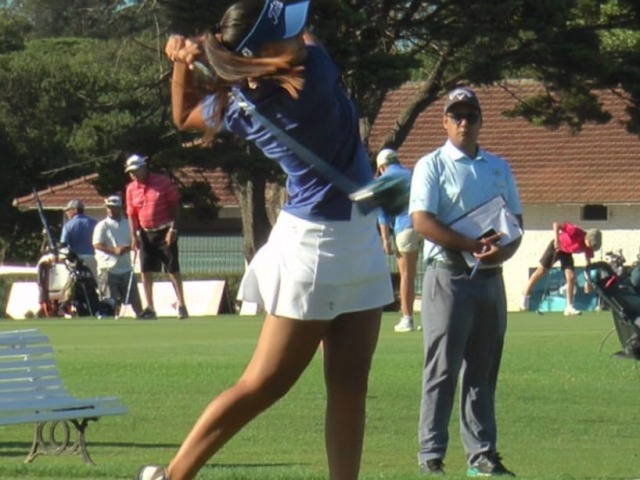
(56, 197)
(601, 164)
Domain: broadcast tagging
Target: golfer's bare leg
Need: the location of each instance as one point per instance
(348, 349)
(147, 285)
(533, 279)
(284, 350)
(407, 269)
(570, 277)
(176, 280)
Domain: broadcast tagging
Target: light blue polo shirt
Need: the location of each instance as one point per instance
(323, 120)
(402, 221)
(449, 184)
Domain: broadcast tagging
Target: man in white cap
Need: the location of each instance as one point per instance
(77, 233)
(112, 242)
(153, 208)
(406, 242)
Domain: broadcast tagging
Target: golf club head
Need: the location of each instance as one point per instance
(389, 193)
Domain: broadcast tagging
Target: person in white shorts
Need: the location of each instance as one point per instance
(322, 275)
(407, 240)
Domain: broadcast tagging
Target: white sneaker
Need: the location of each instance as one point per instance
(570, 311)
(152, 472)
(404, 325)
(524, 303)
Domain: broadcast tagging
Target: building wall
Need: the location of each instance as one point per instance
(620, 231)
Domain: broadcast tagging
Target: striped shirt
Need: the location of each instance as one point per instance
(152, 203)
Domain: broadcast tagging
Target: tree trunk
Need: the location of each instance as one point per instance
(256, 227)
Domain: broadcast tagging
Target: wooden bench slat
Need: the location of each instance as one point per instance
(27, 374)
(45, 402)
(21, 350)
(22, 336)
(56, 391)
(62, 415)
(30, 363)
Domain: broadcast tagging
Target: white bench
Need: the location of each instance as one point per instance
(31, 391)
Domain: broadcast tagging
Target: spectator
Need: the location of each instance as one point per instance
(112, 242)
(322, 275)
(464, 312)
(567, 240)
(153, 208)
(406, 241)
(77, 234)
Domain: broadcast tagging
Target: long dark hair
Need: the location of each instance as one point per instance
(232, 68)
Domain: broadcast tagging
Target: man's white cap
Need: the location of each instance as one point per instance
(113, 201)
(386, 156)
(134, 162)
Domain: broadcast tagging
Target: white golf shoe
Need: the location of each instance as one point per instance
(404, 325)
(570, 311)
(152, 472)
(525, 303)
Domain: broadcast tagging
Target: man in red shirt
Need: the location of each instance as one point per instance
(568, 239)
(153, 207)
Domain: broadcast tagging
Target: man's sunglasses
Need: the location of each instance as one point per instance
(471, 117)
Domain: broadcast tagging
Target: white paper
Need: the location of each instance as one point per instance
(493, 214)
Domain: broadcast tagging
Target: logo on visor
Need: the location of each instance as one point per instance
(459, 95)
(275, 10)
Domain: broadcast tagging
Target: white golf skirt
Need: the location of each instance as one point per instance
(316, 271)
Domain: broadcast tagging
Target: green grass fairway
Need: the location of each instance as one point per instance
(565, 409)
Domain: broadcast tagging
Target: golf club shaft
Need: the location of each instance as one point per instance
(50, 241)
(131, 275)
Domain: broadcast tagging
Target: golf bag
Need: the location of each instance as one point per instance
(623, 300)
(67, 287)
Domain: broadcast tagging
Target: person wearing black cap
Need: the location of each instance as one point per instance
(464, 311)
(322, 276)
(77, 233)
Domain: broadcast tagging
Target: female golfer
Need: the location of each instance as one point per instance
(322, 276)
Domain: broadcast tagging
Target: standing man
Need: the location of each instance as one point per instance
(112, 242)
(77, 233)
(407, 241)
(464, 315)
(153, 207)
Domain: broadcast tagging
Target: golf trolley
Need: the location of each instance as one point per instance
(67, 287)
(623, 299)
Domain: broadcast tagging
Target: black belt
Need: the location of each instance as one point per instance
(456, 269)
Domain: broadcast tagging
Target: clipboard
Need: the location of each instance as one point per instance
(486, 219)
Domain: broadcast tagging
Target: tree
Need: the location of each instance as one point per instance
(447, 42)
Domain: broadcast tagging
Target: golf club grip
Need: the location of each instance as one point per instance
(328, 171)
(50, 241)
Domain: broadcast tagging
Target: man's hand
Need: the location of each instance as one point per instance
(172, 236)
(121, 250)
